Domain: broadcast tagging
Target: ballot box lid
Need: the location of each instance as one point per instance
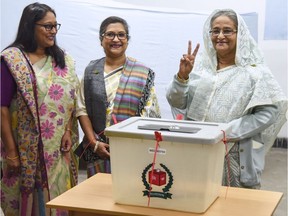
(170, 130)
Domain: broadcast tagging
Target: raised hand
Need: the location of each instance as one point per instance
(187, 61)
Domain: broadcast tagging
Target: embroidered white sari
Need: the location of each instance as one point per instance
(237, 95)
(227, 94)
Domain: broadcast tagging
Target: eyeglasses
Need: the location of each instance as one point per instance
(225, 32)
(49, 27)
(111, 35)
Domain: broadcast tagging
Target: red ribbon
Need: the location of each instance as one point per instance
(158, 138)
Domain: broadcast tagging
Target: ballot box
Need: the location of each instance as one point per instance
(180, 170)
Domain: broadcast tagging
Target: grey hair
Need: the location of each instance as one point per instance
(228, 13)
(111, 20)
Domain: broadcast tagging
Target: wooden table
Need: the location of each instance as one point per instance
(94, 197)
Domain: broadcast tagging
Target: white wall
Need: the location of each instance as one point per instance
(275, 51)
(159, 30)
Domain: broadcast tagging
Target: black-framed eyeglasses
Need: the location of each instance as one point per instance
(225, 32)
(49, 27)
(111, 35)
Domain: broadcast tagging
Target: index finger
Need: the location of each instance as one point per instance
(189, 47)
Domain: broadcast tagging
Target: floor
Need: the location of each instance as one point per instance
(274, 177)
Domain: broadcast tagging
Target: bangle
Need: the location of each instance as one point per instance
(12, 158)
(68, 129)
(181, 80)
(96, 146)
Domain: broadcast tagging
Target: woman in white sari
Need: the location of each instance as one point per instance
(230, 83)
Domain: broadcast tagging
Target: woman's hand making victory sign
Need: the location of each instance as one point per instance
(187, 62)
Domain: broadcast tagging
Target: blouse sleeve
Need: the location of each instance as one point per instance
(8, 85)
(151, 109)
(252, 124)
(177, 94)
(81, 107)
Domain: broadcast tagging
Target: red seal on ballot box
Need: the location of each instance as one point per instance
(158, 178)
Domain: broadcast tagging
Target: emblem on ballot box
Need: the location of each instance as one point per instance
(153, 179)
(157, 177)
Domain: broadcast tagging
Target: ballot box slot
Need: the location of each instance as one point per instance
(172, 128)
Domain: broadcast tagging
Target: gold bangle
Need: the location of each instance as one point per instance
(182, 80)
(68, 129)
(12, 158)
(96, 146)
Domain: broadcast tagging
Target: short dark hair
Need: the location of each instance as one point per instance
(25, 38)
(228, 13)
(110, 20)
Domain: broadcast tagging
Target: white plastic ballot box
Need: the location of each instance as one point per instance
(188, 166)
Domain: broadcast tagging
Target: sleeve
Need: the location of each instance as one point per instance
(177, 93)
(8, 85)
(151, 108)
(252, 124)
(81, 106)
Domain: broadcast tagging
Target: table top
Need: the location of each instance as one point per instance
(94, 196)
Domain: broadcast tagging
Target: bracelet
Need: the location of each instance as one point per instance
(96, 146)
(181, 80)
(68, 129)
(12, 158)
